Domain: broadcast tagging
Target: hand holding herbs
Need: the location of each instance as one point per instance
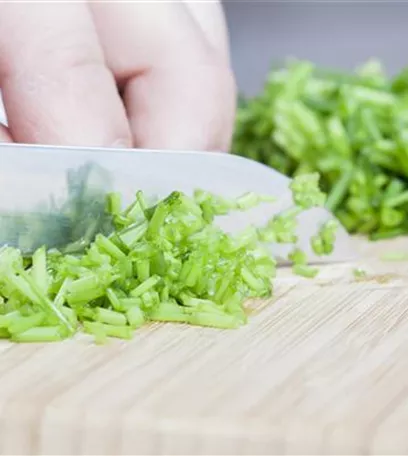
(350, 128)
(168, 262)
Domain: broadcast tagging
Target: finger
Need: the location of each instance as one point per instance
(179, 93)
(210, 17)
(181, 108)
(56, 87)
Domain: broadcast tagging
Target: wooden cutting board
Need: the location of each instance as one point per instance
(322, 368)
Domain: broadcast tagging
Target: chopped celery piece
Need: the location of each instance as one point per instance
(298, 257)
(39, 269)
(305, 271)
(114, 203)
(103, 330)
(145, 286)
(135, 317)
(110, 317)
(70, 315)
(7, 319)
(114, 300)
(128, 303)
(214, 320)
(169, 312)
(394, 256)
(84, 289)
(143, 269)
(132, 234)
(97, 330)
(359, 273)
(23, 324)
(109, 247)
(323, 242)
(39, 334)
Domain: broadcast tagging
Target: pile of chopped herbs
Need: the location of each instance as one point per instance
(350, 128)
(167, 262)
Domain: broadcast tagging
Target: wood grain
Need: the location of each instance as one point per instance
(322, 368)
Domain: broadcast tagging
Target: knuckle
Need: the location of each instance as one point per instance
(68, 51)
(56, 63)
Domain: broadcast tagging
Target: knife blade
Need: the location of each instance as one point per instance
(36, 180)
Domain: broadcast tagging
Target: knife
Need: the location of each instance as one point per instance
(37, 182)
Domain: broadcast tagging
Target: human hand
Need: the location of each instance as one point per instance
(142, 74)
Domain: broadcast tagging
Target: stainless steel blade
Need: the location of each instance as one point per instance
(33, 179)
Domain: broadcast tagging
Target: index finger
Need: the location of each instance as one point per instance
(56, 87)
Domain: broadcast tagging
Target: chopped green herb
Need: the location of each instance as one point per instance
(167, 262)
(359, 273)
(305, 271)
(394, 256)
(323, 241)
(39, 334)
(298, 257)
(351, 129)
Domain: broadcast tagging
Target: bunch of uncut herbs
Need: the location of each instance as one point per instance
(350, 128)
(168, 262)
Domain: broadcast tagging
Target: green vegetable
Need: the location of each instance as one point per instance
(300, 266)
(305, 271)
(167, 262)
(352, 129)
(359, 273)
(323, 242)
(394, 256)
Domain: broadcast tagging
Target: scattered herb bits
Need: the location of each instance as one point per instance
(359, 273)
(350, 128)
(168, 262)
